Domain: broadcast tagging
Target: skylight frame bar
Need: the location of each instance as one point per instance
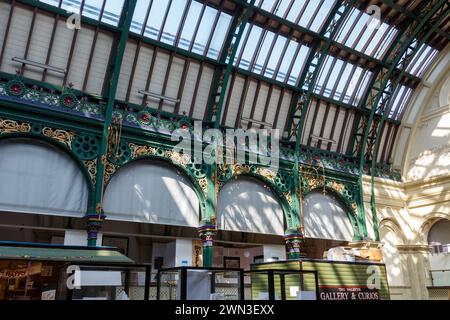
(144, 26)
(314, 15)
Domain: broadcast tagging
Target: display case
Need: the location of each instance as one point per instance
(196, 283)
(275, 284)
(105, 282)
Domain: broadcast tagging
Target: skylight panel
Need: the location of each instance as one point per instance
(250, 47)
(295, 10)
(263, 51)
(342, 81)
(218, 39)
(323, 74)
(155, 19)
(112, 11)
(189, 27)
(287, 61)
(298, 65)
(106, 11)
(187, 24)
(139, 16)
(205, 29)
(322, 14)
(274, 57)
(399, 101)
(421, 60)
(362, 33)
(308, 14)
(172, 23)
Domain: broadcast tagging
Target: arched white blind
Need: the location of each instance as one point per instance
(37, 177)
(151, 192)
(246, 205)
(326, 218)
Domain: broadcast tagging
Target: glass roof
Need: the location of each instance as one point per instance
(202, 29)
(271, 55)
(398, 104)
(310, 14)
(342, 81)
(422, 60)
(364, 34)
(107, 11)
(186, 24)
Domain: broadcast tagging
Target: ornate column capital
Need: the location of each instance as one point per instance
(93, 226)
(294, 240)
(207, 233)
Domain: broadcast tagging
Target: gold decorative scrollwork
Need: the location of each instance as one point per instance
(178, 158)
(203, 184)
(314, 183)
(240, 169)
(62, 136)
(267, 173)
(109, 171)
(11, 126)
(336, 186)
(288, 197)
(141, 151)
(91, 166)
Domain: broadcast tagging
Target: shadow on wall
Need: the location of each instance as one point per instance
(430, 151)
(325, 217)
(247, 205)
(37, 177)
(150, 191)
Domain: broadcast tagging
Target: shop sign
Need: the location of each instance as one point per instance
(33, 268)
(9, 274)
(348, 293)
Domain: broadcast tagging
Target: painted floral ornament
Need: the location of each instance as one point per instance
(68, 100)
(15, 88)
(144, 118)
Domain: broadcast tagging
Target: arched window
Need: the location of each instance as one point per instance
(37, 177)
(151, 192)
(247, 205)
(440, 233)
(325, 217)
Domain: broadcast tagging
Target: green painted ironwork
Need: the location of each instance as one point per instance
(309, 76)
(382, 88)
(403, 63)
(124, 26)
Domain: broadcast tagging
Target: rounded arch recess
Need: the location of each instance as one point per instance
(45, 177)
(166, 196)
(237, 211)
(334, 219)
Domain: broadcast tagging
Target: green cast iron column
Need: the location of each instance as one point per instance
(221, 78)
(299, 109)
(94, 220)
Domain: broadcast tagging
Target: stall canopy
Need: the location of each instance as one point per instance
(48, 252)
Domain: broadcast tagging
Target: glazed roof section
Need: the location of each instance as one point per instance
(201, 28)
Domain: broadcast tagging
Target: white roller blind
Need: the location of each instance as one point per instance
(246, 205)
(37, 177)
(326, 218)
(147, 191)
